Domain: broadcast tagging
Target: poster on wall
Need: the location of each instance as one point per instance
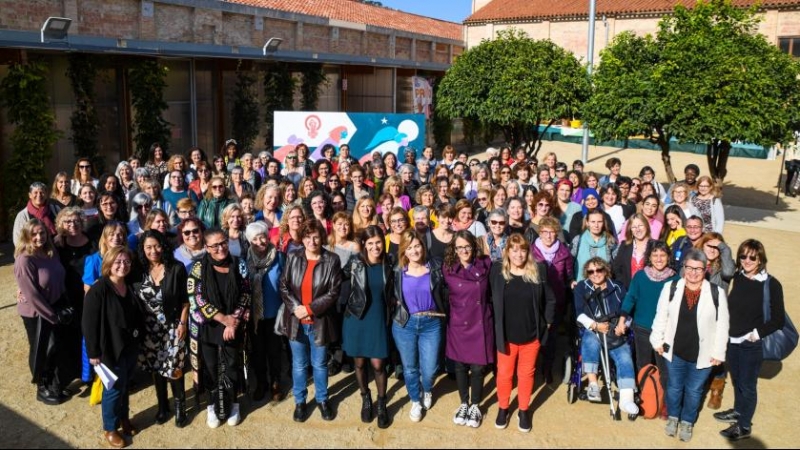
(423, 96)
(365, 133)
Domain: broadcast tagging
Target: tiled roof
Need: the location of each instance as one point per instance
(513, 10)
(357, 12)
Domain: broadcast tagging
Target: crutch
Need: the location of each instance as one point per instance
(607, 371)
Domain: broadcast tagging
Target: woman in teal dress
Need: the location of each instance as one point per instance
(365, 334)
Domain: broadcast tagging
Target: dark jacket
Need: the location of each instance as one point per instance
(576, 226)
(108, 325)
(350, 196)
(326, 281)
(438, 287)
(541, 295)
(173, 291)
(621, 264)
(356, 271)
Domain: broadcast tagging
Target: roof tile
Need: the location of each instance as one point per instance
(357, 12)
(511, 10)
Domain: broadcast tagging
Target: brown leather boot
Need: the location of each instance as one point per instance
(715, 393)
(114, 439)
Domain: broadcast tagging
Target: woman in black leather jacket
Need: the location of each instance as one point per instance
(365, 332)
(418, 327)
(309, 288)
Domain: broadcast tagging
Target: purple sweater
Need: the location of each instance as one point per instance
(41, 281)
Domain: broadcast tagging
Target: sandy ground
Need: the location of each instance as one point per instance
(24, 422)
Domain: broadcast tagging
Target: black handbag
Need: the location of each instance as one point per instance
(780, 344)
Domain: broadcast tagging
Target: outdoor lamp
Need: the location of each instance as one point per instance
(55, 28)
(272, 45)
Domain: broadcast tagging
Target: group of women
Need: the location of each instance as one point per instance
(417, 267)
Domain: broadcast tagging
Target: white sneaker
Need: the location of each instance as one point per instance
(593, 393)
(474, 417)
(212, 420)
(234, 418)
(416, 412)
(460, 418)
(427, 400)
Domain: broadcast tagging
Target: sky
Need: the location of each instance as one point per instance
(452, 10)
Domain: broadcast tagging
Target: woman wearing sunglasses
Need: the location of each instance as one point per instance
(217, 198)
(83, 173)
(190, 242)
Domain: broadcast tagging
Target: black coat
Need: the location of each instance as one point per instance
(350, 196)
(438, 290)
(356, 271)
(109, 326)
(173, 291)
(621, 265)
(543, 299)
(326, 282)
(576, 225)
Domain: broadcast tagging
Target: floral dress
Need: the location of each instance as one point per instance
(162, 351)
(704, 206)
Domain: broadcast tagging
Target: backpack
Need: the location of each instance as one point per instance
(714, 295)
(651, 393)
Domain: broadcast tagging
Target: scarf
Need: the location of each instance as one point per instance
(586, 193)
(458, 226)
(549, 254)
(760, 276)
(44, 215)
(496, 251)
(588, 249)
(658, 276)
(259, 266)
(224, 297)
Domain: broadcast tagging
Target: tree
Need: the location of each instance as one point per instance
(516, 84)
(706, 77)
(84, 122)
(245, 112)
(314, 79)
(147, 83)
(278, 95)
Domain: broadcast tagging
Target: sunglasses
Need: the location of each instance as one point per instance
(483, 199)
(217, 186)
(598, 271)
(84, 167)
(543, 205)
(192, 231)
(752, 258)
(497, 222)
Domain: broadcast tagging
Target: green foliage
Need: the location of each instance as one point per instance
(84, 122)
(313, 80)
(706, 77)
(146, 80)
(245, 112)
(23, 92)
(278, 95)
(514, 83)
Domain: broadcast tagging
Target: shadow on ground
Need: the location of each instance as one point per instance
(18, 432)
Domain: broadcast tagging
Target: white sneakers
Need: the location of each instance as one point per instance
(213, 421)
(593, 393)
(460, 418)
(234, 418)
(474, 417)
(427, 400)
(416, 412)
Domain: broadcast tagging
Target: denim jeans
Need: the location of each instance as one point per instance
(685, 389)
(744, 364)
(305, 352)
(115, 400)
(590, 353)
(419, 343)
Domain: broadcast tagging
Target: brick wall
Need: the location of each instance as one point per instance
(402, 48)
(173, 24)
(349, 42)
(236, 30)
(27, 14)
(378, 45)
(316, 38)
(118, 19)
(423, 50)
(205, 25)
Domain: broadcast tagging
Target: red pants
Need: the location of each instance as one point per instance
(523, 358)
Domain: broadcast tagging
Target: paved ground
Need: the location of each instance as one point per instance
(750, 193)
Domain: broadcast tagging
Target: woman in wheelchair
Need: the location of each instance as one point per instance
(598, 302)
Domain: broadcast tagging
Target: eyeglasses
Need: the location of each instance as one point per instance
(84, 167)
(218, 246)
(703, 185)
(123, 262)
(217, 186)
(693, 269)
(599, 271)
(186, 211)
(397, 221)
(543, 205)
(752, 258)
(192, 231)
(338, 203)
(463, 248)
(505, 172)
(497, 222)
(693, 227)
(71, 222)
(560, 170)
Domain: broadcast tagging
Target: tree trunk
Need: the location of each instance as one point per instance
(663, 143)
(717, 153)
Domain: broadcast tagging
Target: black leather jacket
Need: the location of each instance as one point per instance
(327, 281)
(356, 271)
(438, 289)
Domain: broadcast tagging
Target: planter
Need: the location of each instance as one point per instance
(575, 123)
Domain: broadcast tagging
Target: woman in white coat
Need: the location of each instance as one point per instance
(690, 331)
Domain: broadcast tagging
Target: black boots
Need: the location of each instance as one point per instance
(366, 407)
(160, 384)
(179, 392)
(383, 414)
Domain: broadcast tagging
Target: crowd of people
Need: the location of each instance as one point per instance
(223, 268)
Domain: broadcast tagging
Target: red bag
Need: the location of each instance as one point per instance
(651, 394)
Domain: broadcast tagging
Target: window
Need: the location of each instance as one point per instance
(790, 45)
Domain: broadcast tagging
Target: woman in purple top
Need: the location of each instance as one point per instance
(40, 278)
(470, 328)
(418, 319)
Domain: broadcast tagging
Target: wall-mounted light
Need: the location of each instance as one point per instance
(55, 28)
(272, 45)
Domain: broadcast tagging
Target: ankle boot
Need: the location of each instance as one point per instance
(162, 396)
(383, 414)
(366, 407)
(715, 393)
(179, 393)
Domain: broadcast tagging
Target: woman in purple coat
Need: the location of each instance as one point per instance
(470, 328)
(547, 249)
